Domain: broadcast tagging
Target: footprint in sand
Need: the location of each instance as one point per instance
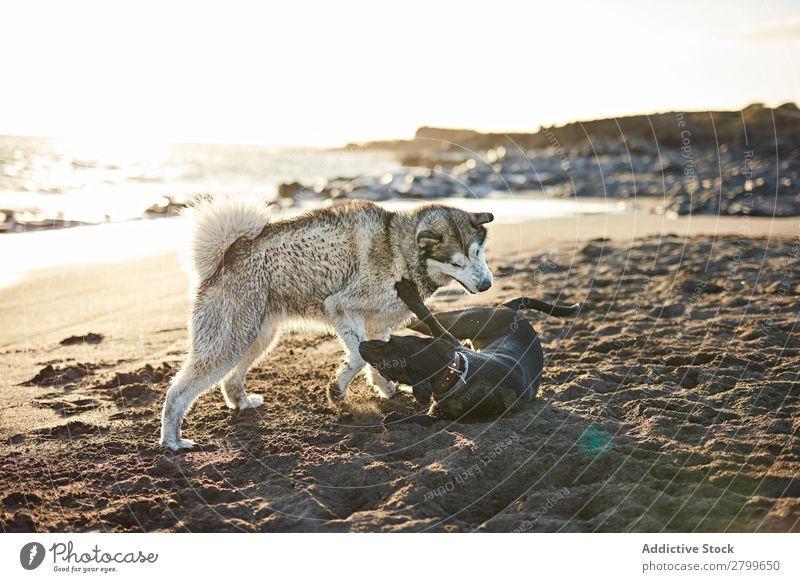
(72, 429)
(60, 376)
(146, 375)
(18, 500)
(137, 388)
(70, 407)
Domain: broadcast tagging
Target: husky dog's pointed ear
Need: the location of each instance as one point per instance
(479, 218)
(427, 238)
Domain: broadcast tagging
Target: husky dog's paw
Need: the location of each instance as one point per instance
(385, 389)
(178, 445)
(335, 395)
(381, 385)
(251, 401)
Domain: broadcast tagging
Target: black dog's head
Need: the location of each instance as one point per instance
(415, 361)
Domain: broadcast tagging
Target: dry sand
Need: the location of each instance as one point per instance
(670, 404)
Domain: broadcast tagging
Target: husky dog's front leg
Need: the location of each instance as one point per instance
(351, 330)
(351, 336)
(382, 386)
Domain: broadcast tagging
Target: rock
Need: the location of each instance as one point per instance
(165, 207)
(730, 178)
(89, 338)
(290, 190)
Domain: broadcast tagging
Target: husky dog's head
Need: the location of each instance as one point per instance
(450, 243)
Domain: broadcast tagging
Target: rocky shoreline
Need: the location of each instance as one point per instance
(714, 162)
(737, 163)
(15, 221)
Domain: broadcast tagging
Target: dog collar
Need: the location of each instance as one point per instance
(456, 370)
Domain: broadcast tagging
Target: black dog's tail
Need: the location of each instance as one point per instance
(557, 310)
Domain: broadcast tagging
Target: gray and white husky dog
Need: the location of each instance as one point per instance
(332, 268)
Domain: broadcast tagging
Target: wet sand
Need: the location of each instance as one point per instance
(671, 403)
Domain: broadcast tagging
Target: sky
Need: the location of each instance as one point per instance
(328, 73)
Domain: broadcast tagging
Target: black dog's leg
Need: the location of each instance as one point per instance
(408, 292)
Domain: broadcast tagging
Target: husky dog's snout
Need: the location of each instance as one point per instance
(480, 278)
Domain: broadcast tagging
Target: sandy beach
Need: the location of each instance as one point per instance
(671, 403)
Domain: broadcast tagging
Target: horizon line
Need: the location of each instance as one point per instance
(341, 145)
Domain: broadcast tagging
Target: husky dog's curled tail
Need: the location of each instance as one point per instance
(218, 222)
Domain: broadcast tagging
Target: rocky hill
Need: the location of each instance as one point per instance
(715, 162)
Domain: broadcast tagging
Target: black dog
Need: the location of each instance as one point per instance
(464, 383)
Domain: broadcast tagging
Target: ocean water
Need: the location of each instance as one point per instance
(111, 185)
(43, 178)
(114, 242)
